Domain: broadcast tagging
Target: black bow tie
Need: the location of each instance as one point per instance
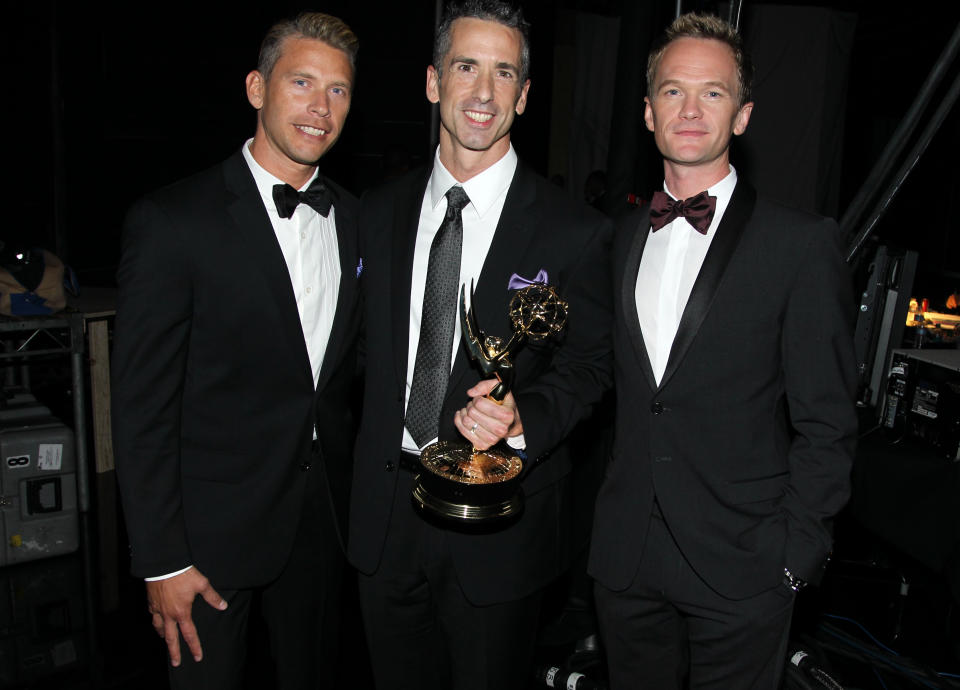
(317, 196)
(698, 210)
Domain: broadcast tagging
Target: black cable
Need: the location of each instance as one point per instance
(906, 667)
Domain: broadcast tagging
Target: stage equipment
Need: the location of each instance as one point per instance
(881, 319)
(923, 398)
(38, 485)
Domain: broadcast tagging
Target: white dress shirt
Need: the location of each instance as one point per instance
(309, 245)
(672, 258)
(487, 192)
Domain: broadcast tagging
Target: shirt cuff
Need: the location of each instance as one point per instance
(517, 442)
(167, 576)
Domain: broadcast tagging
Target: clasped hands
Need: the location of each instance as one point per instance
(485, 422)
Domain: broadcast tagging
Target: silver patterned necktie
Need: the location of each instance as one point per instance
(431, 369)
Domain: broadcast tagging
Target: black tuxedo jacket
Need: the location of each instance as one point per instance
(213, 396)
(748, 440)
(556, 381)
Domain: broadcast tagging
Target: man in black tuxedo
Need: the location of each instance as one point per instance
(735, 374)
(448, 608)
(233, 359)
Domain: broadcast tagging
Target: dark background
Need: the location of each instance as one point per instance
(107, 101)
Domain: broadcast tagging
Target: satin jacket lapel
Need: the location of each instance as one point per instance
(711, 274)
(518, 224)
(347, 249)
(639, 226)
(406, 220)
(256, 233)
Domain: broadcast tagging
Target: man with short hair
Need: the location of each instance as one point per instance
(446, 607)
(735, 420)
(233, 357)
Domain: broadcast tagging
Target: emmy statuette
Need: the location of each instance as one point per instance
(458, 482)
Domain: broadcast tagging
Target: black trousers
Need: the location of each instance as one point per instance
(301, 610)
(422, 631)
(669, 625)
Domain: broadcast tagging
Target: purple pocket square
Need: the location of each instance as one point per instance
(360, 267)
(517, 281)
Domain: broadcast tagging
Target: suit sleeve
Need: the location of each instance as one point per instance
(149, 364)
(581, 369)
(820, 384)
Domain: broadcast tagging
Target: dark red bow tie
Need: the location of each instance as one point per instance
(698, 210)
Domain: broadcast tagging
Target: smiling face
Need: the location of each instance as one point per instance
(301, 107)
(479, 92)
(694, 111)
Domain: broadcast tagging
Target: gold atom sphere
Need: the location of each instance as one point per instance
(537, 311)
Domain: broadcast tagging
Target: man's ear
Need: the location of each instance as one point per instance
(522, 100)
(256, 85)
(648, 113)
(433, 84)
(742, 118)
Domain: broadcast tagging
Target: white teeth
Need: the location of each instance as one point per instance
(312, 130)
(479, 117)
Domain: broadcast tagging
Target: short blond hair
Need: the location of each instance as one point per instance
(316, 25)
(693, 25)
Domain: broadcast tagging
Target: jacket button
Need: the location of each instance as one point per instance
(304, 466)
(657, 408)
(389, 466)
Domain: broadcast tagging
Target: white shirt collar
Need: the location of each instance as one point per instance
(265, 179)
(723, 189)
(483, 189)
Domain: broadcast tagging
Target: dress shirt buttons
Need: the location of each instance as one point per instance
(657, 408)
(303, 235)
(389, 466)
